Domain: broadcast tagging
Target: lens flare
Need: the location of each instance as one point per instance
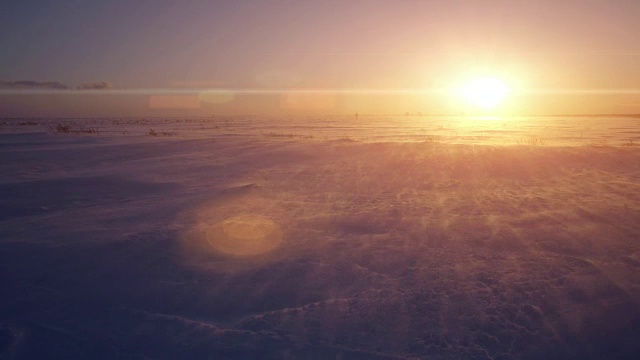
(247, 234)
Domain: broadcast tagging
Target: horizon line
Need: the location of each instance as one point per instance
(406, 114)
(311, 91)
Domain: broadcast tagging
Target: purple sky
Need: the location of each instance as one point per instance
(365, 44)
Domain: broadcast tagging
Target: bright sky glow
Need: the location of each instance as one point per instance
(365, 56)
(486, 93)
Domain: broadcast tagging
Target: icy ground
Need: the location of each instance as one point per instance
(244, 238)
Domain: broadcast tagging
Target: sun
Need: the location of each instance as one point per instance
(486, 93)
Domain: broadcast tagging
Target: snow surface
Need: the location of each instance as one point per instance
(351, 238)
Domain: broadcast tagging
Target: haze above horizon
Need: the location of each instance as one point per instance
(88, 58)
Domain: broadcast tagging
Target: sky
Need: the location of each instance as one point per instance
(197, 57)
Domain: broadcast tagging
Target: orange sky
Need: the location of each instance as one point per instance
(118, 58)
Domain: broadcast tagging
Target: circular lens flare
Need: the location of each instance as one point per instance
(247, 234)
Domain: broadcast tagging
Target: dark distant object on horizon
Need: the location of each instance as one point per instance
(95, 85)
(30, 84)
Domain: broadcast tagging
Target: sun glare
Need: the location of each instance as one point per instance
(486, 93)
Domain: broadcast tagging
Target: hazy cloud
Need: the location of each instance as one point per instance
(30, 84)
(95, 85)
(198, 84)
